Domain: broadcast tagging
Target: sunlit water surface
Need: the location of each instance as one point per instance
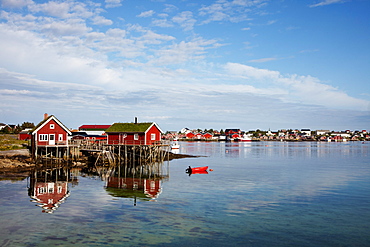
(258, 194)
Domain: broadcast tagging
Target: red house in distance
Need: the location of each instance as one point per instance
(134, 134)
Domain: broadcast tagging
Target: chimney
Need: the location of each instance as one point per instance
(46, 116)
(135, 120)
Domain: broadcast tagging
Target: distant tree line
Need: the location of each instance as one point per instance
(17, 128)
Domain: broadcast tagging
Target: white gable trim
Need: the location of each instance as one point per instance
(152, 126)
(47, 121)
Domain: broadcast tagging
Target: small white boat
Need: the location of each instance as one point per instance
(245, 138)
(175, 145)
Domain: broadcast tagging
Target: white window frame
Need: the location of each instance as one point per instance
(60, 137)
(136, 137)
(152, 137)
(43, 137)
(52, 126)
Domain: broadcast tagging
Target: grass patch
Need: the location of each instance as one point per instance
(11, 142)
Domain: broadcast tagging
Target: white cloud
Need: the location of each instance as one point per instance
(327, 2)
(185, 20)
(162, 23)
(100, 20)
(148, 13)
(15, 3)
(297, 89)
(230, 10)
(112, 3)
(65, 28)
(56, 9)
(184, 51)
(246, 71)
(263, 60)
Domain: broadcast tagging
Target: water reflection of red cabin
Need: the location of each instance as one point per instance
(150, 187)
(49, 195)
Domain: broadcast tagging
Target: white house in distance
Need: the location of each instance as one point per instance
(322, 132)
(306, 131)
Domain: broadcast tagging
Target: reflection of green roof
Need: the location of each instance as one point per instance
(127, 193)
(129, 127)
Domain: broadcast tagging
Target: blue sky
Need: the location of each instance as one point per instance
(217, 64)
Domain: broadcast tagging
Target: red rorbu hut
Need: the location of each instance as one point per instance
(134, 134)
(49, 133)
(190, 135)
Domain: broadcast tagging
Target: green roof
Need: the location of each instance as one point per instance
(129, 127)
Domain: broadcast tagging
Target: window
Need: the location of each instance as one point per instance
(42, 190)
(136, 137)
(135, 185)
(152, 185)
(43, 137)
(52, 126)
(152, 137)
(60, 138)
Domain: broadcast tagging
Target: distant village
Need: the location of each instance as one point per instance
(263, 135)
(98, 132)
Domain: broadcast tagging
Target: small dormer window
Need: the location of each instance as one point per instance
(52, 126)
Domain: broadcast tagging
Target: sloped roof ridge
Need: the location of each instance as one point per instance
(47, 119)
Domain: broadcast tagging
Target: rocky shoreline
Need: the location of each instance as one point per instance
(17, 163)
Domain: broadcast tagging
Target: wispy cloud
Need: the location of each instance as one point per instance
(263, 60)
(112, 3)
(185, 20)
(327, 2)
(298, 89)
(230, 10)
(148, 13)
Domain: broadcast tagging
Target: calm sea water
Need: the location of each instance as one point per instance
(258, 194)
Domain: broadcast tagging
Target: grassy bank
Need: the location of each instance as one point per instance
(11, 142)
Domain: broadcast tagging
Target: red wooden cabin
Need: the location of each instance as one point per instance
(24, 135)
(232, 131)
(190, 135)
(207, 136)
(134, 134)
(50, 132)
